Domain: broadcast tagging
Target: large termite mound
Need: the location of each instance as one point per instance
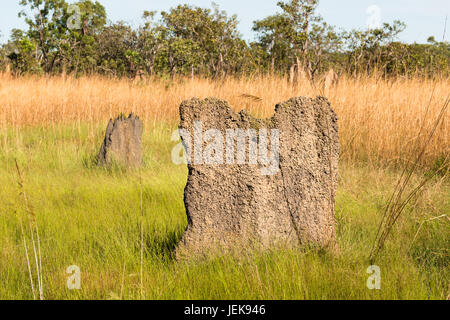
(264, 182)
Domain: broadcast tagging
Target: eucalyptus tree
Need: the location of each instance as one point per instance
(371, 48)
(201, 40)
(85, 21)
(63, 33)
(273, 38)
(118, 50)
(46, 28)
(298, 36)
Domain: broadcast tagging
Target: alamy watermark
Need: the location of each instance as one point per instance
(374, 281)
(373, 17)
(74, 22)
(213, 148)
(74, 279)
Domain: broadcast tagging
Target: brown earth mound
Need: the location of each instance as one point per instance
(123, 142)
(254, 181)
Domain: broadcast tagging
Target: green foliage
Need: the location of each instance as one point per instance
(297, 38)
(21, 53)
(200, 40)
(62, 35)
(189, 40)
(117, 54)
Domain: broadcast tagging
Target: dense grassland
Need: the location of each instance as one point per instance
(90, 217)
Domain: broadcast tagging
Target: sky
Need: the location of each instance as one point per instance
(423, 18)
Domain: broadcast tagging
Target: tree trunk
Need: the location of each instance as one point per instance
(292, 74)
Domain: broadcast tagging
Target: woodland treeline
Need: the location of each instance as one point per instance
(187, 40)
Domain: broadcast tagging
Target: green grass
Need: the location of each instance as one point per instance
(90, 217)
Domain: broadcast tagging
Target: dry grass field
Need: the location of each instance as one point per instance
(89, 216)
(379, 120)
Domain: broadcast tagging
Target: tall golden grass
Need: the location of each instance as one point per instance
(378, 119)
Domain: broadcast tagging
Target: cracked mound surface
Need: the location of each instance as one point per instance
(123, 142)
(234, 205)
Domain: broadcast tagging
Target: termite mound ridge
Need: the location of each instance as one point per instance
(122, 143)
(229, 205)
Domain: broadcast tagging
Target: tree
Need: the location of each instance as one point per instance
(273, 39)
(46, 28)
(117, 52)
(299, 35)
(190, 40)
(199, 40)
(370, 49)
(62, 33)
(22, 53)
(85, 20)
(150, 41)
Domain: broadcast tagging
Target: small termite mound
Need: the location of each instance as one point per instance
(122, 143)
